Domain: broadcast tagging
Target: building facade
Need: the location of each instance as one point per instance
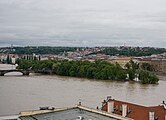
(134, 111)
(158, 64)
(121, 61)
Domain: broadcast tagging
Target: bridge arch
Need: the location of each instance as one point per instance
(24, 72)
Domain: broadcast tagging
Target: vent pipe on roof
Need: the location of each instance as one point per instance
(151, 115)
(163, 104)
(124, 110)
(110, 106)
(79, 103)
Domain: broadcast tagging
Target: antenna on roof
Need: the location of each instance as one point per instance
(79, 103)
(163, 102)
(109, 97)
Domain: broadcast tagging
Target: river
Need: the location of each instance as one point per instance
(21, 93)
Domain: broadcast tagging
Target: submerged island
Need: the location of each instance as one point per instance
(99, 69)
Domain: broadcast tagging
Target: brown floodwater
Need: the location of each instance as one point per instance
(21, 93)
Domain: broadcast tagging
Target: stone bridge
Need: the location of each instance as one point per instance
(24, 72)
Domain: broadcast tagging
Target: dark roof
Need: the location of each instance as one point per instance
(69, 114)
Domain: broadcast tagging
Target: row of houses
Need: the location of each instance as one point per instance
(158, 62)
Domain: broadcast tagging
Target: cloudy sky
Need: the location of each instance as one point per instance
(83, 22)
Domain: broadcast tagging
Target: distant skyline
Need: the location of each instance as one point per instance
(83, 23)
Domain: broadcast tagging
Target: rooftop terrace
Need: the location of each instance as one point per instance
(75, 113)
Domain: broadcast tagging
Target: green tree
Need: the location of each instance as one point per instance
(132, 67)
(55, 67)
(147, 78)
(147, 66)
(131, 74)
(90, 72)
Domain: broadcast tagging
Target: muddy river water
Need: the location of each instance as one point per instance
(21, 93)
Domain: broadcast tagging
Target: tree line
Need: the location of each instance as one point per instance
(137, 51)
(42, 50)
(125, 51)
(99, 69)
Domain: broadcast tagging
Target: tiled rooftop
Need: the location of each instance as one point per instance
(134, 111)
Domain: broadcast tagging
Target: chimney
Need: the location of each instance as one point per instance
(124, 110)
(163, 102)
(79, 104)
(110, 106)
(151, 115)
(109, 97)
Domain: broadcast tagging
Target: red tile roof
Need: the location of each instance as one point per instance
(123, 58)
(137, 112)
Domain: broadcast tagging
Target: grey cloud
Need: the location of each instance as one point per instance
(83, 22)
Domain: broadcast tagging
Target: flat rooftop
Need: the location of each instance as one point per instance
(68, 114)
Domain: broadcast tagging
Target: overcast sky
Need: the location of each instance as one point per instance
(83, 22)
